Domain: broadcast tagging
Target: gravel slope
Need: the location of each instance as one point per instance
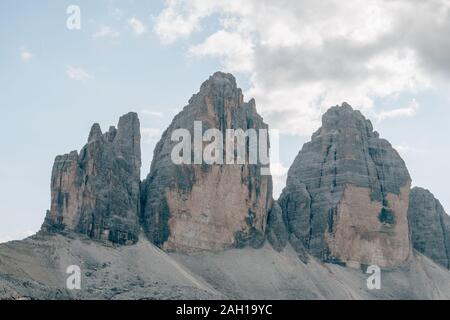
(35, 268)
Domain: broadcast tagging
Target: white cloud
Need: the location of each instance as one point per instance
(236, 51)
(78, 74)
(157, 114)
(150, 134)
(105, 32)
(407, 151)
(304, 56)
(409, 111)
(117, 14)
(279, 175)
(137, 26)
(26, 55)
(18, 235)
(180, 18)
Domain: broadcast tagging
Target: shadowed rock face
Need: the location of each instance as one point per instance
(207, 206)
(347, 193)
(430, 226)
(96, 192)
(276, 232)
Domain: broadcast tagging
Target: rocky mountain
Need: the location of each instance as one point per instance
(207, 206)
(430, 226)
(36, 268)
(347, 194)
(198, 229)
(97, 192)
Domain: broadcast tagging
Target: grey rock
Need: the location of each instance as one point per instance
(295, 203)
(299, 248)
(346, 193)
(276, 231)
(35, 268)
(96, 192)
(207, 206)
(430, 226)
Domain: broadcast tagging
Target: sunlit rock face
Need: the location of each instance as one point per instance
(96, 192)
(207, 206)
(347, 194)
(430, 226)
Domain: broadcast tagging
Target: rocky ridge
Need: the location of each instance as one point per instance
(347, 202)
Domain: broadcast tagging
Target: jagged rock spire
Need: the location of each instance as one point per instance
(96, 192)
(201, 206)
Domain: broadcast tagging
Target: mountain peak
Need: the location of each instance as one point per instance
(353, 188)
(95, 133)
(208, 206)
(344, 118)
(220, 86)
(96, 193)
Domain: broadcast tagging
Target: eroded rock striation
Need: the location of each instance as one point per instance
(96, 192)
(207, 206)
(347, 194)
(430, 226)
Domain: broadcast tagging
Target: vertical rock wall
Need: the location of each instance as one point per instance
(207, 206)
(430, 226)
(347, 194)
(97, 191)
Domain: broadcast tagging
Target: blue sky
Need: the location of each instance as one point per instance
(296, 59)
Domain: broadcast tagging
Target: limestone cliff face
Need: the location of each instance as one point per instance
(430, 226)
(96, 192)
(276, 232)
(207, 206)
(347, 194)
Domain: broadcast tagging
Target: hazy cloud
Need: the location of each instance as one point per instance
(279, 175)
(236, 51)
(150, 134)
(17, 235)
(137, 26)
(304, 56)
(180, 18)
(105, 32)
(78, 74)
(26, 55)
(409, 111)
(407, 151)
(117, 14)
(152, 113)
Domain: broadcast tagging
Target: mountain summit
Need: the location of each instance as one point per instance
(347, 193)
(96, 192)
(208, 206)
(198, 230)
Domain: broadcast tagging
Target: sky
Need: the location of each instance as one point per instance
(296, 58)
